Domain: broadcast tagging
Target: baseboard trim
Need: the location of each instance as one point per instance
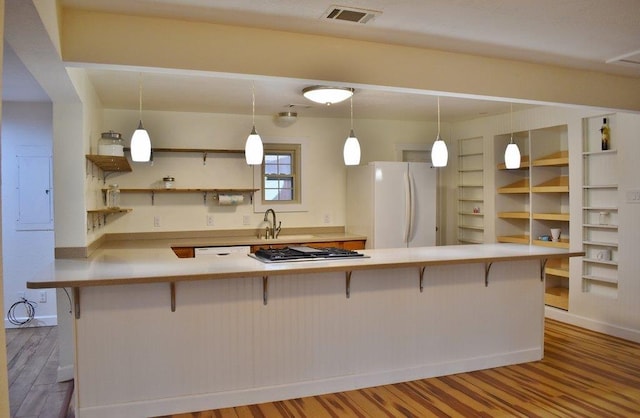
(204, 402)
(593, 324)
(38, 321)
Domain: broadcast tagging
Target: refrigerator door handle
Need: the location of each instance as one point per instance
(407, 207)
(412, 209)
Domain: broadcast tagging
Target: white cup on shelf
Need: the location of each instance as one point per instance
(555, 234)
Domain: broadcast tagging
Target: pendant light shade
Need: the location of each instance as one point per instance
(512, 156)
(253, 149)
(512, 153)
(351, 150)
(439, 152)
(140, 141)
(327, 95)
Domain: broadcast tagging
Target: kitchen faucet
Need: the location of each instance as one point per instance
(273, 231)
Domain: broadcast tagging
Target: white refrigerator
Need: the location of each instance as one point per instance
(392, 203)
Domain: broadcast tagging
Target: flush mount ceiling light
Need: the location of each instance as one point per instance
(140, 141)
(327, 95)
(253, 149)
(439, 153)
(285, 119)
(351, 150)
(512, 153)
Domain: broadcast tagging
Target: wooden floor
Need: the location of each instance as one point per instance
(32, 362)
(583, 374)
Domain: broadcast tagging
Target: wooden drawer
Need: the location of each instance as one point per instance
(184, 252)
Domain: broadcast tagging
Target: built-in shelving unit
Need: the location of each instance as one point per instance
(534, 198)
(470, 191)
(599, 210)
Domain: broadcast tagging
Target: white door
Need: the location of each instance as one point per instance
(423, 184)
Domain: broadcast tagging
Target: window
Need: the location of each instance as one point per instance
(281, 174)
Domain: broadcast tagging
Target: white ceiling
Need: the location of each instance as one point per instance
(582, 34)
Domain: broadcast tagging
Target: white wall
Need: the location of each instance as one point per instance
(25, 126)
(323, 169)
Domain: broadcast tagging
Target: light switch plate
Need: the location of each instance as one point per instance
(633, 196)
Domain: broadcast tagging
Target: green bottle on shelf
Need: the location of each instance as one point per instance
(605, 134)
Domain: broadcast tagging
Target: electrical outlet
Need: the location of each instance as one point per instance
(43, 296)
(156, 221)
(209, 220)
(246, 220)
(326, 218)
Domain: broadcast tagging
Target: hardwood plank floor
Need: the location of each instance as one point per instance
(32, 363)
(583, 374)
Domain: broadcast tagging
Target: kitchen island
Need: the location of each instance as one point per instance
(157, 335)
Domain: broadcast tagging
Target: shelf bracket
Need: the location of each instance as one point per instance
(153, 198)
(348, 283)
(265, 290)
(76, 301)
(487, 268)
(543, 263)
(172, 290)
(204, 158)
(421, 272)
(204, 197)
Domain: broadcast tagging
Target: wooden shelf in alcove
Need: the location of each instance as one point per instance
(555, 185)
(520, 186)
(557, 159)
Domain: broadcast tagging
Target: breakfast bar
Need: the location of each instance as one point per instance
(156, 334)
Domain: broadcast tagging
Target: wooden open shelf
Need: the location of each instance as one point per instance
(563, 243)
(555, 185)
(557, 159)
(110, 162)
(551, 216)
(513, 215)
(108, 211)
(524, 163)
(520, 186)
(514, 239)
(558, 267)
(558, 297)
(196, 190)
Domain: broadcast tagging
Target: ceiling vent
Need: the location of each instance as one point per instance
(350, 14)
(632, 58)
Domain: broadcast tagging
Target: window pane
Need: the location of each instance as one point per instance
(271, 169)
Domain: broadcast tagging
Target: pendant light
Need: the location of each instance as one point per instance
(439, 153)
(351, 150)
(140, 141)
(253, 149)
(512, 153)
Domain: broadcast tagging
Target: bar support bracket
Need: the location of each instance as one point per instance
(421, 272)
(543, 264)
(487, 268)
(172, 289)
(265, 290)
(347, 275)
(76, 301)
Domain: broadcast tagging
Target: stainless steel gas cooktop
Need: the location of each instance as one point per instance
(303, 253)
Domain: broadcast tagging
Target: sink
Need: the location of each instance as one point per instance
(290, 238)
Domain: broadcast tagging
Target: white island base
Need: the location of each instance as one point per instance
(224, 347)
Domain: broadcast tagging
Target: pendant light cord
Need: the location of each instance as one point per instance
(351, 100)
(140, 95)
(511, 120)
(438, 116)
(253, 103)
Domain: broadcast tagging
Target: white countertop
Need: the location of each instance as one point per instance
(158, 263)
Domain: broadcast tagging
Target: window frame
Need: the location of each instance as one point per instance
(298, 203)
